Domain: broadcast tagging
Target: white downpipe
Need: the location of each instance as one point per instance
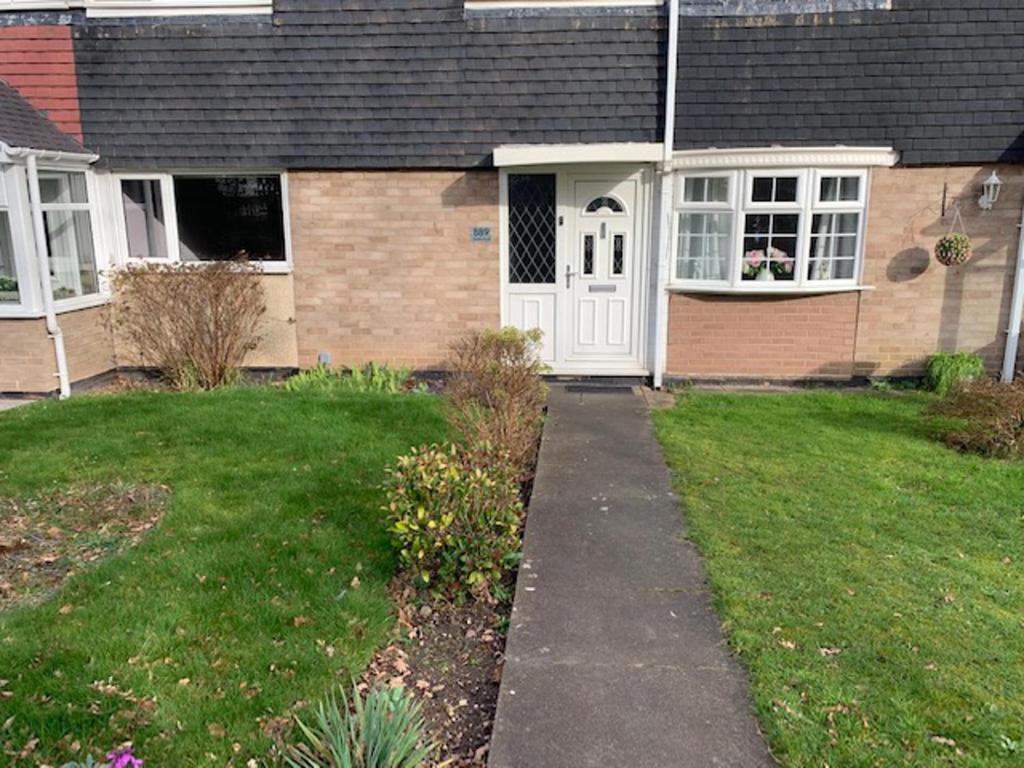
(1016, 312)
(665, 205)
(42, 260)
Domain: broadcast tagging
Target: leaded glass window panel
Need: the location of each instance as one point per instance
(531, 228)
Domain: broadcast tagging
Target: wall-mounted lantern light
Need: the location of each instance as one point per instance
(990, 192)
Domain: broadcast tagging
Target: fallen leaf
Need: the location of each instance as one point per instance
(944, 741)
(216, 730)
(184, 681)
(788, 644)
(355, 583)
(66, 609)
(300, 621)
(830, 651)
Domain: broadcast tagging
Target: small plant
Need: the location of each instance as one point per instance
(953, 249)
(120, 758)
(947, 370)
(373, 377)
(8, 284)
(195, 322)
(495, 394)
(455, 515)
(384, 731)
(988, 417)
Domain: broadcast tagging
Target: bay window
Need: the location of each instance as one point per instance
(195, 218)
(769, 230)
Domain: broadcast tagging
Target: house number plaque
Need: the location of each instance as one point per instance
(481, 234)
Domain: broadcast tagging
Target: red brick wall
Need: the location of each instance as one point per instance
(770, 337)
(40, 63)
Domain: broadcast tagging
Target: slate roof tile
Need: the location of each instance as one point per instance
(23, 126)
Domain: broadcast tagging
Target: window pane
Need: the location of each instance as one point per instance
(588, 254)
(833, 251)
(706, 189)
(144, 218)
(230, 217)
(773, 189)
(770, 246)
(605, 205)
(62, 188)
(531, 228)
(618, 254)
(704, 246)
(8, 270)
(71, 257)
(763, 189)
(836, 189)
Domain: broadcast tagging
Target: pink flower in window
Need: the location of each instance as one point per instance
(754, 258)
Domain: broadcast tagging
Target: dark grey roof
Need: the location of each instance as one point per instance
(365, 83)
(23, 126)
(940, 80)
(419, 83)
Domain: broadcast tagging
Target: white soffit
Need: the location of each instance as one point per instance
(786, 157)
(561, 154)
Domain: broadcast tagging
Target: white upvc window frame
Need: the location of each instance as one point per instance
(741, 203)
(170, 207)
(91, 206)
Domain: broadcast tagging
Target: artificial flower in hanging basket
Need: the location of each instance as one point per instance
(953, 250)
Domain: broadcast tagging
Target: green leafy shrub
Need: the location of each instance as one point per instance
(948, 369)
(385, 730)
(495, 393)
(455, 515)
(373, 377)
(988, 417)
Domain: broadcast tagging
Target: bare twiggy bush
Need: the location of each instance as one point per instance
(988, 416)
(194, 322)
(496, 395)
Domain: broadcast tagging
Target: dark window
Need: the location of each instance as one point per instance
(600, 204)
(531, 228)
(229, 217)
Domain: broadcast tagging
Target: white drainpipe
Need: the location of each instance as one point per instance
(666, 203)
(1016, 312)
(39, 229)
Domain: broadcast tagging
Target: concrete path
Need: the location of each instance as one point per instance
(6, 403)
(615, 655)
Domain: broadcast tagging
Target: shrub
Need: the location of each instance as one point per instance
(195, 322)
(495, 392)
(372, 377)
(455, 515)
(989, 417)
(946, 370)
(384, 731)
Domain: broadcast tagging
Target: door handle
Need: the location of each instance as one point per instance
(569, 275)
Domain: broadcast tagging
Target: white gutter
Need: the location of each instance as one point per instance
(665, 206)
(1016, 312)
(43, 263)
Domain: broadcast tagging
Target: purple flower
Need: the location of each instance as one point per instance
(123, 758)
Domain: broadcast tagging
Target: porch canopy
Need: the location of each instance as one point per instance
(562, 154)
(25, 129)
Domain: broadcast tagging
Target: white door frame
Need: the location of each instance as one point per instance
(558, 347)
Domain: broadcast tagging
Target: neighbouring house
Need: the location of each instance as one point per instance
(699, 189)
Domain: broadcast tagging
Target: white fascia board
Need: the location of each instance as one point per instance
(838, 156)
(490, 5)
(563, 154)
(117, 8)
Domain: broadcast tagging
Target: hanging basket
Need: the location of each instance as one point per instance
(953, 250)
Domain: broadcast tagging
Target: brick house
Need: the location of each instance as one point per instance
(753, 192)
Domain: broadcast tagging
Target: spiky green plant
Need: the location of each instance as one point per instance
(373, 377)
(384, 730)
(948, 369)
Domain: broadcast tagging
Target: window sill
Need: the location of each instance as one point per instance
(61, 306)
(772, 290)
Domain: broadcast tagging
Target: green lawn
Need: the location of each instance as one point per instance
(871, 579)
(240, 603)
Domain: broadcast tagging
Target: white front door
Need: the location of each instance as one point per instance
(574, 245)
(601, 276)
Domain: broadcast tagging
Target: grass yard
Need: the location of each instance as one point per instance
(264, 582)
(871, 579)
